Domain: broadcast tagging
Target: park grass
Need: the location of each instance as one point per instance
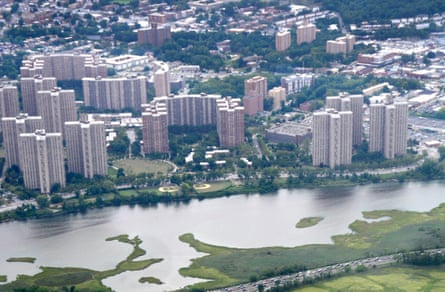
(84, 279)
(400, 278)
(308, 222)
(150, 280)
(403, 232)
(139, 165)
(3, 278)
(214, 187)
(29, 260)
(112, 172)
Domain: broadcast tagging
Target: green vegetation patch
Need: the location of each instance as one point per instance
(403, 232)
(3, 278)
(150, 280)
(386, 279)
(308, 222)
(29, 260)
(84, 279)
(139, 165)
(212, 187)
(55, 277)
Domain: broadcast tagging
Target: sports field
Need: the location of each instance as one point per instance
(139, 165)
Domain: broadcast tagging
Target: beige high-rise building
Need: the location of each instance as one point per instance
(282, 40)
(9, 101)
(41, 160)
(230, 122)
(279, 95)
(56, 106)
(86, 148)
(306, 33)
(377, 114)
(30, 86)
(255, 90)
(388, 128)
(341, 45)
(350, 102)
(320, 138)
(64, 66)
(189, 109)
(161, 82)
(336, 47)
(349, 39)
(332, 138)
(156, 34)
(115, 93)
(155, 128)
(12, 127)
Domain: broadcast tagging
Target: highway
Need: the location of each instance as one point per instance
(317, 273)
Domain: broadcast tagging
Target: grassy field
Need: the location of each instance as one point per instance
(404, 231)
(83, 279)
(308, 222)
(386, 279)
(136, 166)
(214, 186)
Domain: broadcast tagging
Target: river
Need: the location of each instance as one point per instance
(236, 221)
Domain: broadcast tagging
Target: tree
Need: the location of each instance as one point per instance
(120, 172)
(42, 201)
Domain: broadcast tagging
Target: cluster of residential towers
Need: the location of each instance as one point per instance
(35, 134)
(339, 127)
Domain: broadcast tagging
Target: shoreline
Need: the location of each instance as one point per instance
(146, 197)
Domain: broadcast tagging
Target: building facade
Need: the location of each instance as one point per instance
(295, 83)
(161, 82)
(56, 106)
(41, 160)
(12, 127)
(342, 45)
(155, 128)
(115, 93)
(9, 101)
(190, 109)
(230, 122)
(332, 138)
(155, 35)
(255, 90)
(29, 88)
(388, 127)
(354, 103)
(86, 148)
(278, 95)
(64, 66)
(306, 33)
(282, 40)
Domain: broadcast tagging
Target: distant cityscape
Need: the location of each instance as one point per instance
(47, 131)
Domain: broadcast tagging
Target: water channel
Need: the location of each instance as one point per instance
(237, 221)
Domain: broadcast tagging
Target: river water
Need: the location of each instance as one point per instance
(237, 221)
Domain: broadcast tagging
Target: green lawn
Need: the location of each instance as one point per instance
(139, 165)
(215, 186)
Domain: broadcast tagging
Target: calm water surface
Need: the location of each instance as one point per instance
(237, 221)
